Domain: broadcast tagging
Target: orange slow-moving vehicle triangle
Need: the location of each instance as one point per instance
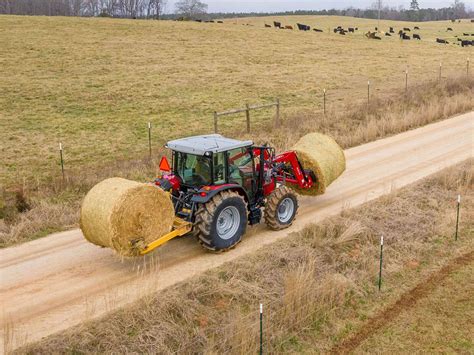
(164, 165)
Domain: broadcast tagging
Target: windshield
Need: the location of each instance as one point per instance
(194, 170)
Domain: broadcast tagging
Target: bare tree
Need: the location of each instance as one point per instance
(190, 8)
(459, 9)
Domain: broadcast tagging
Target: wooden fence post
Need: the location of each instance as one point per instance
(247, 116)
(215, 121)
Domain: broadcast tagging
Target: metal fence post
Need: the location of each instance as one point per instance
(247, 116)
(261, 328)
(368, 95)
(215, 121)
(277, 118)
(406, 80)
(62, 159)
(381, 261)
(457, 217)
(149, 139)
(324, 101)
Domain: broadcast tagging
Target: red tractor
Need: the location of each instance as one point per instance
(219, 185)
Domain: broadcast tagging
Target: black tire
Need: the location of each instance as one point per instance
(275, 218)
(208, 225)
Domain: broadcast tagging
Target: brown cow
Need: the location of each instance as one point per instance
(288, 27)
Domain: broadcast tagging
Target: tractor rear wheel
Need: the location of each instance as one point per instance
(221, 222)
(281, 208)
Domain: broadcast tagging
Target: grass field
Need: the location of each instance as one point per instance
(94, 83)
(319, 288)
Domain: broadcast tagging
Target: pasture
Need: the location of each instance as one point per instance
(93, 84)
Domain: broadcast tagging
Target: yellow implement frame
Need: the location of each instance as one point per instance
(180, 227)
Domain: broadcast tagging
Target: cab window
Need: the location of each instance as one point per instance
(241, 168)
(219, 168)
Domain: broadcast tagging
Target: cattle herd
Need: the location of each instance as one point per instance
(403, 33)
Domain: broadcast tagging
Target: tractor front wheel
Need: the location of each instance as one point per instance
(281, 208)
(221, 222)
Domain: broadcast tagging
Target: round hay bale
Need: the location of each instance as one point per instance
(117, 211)
(321, 154)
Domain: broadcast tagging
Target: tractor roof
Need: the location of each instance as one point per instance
(199, 145)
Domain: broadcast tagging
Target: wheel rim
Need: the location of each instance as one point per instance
(285, 210)
(228, 222)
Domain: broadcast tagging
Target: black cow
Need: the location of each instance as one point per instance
(439, 40)
(302, 27)
(465, 43)
(317, 30)
(465, 34)
(220, 21)
(268, 26)
(406, 29)
(357, 28)
(472, 20)
(277, 24)
(416, 28)
(351, 29)
(403, 35)
(391, 30)
(388, 34)
(198, 20)
(449, 29)
(415, 36)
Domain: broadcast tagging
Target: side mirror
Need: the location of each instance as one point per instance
(164, 165)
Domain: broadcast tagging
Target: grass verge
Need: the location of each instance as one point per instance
(318, 287)
(32, 209)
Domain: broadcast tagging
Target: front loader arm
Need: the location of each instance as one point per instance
(290, 170)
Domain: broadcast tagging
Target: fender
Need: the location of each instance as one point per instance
(206, 193)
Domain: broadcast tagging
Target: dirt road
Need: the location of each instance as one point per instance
(55, 282)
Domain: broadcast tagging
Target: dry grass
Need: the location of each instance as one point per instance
(53, 205)
(94, 83)
(318, 287)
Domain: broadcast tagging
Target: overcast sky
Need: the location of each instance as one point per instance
(288, 5)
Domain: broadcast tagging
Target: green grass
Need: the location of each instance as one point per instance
(441, 322)
(94, 83)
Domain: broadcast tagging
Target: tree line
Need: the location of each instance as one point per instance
(106, 8)
(397, 14)
(193, 9)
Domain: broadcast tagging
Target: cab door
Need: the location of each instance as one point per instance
(241, 169)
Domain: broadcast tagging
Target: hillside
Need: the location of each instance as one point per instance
(95, 83)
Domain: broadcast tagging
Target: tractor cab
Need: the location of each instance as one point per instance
(210, 163)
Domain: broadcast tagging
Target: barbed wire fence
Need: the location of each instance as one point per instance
(326, 102)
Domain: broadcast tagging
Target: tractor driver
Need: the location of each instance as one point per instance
(202, 169)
